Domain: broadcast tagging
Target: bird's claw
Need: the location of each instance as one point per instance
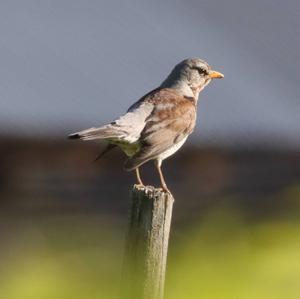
(165, 189)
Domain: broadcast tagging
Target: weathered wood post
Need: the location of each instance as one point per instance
(147, 243)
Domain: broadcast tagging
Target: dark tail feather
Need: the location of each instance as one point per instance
(74, 136)
(109, 147)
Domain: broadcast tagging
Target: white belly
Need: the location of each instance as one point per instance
(169, 152)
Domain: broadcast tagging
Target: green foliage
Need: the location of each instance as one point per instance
(225, 258)
(220, 257)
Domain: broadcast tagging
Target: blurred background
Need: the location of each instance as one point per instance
(69, 65)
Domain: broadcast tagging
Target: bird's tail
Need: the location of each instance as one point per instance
(105, 132)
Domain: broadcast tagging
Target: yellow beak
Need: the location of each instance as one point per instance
(215, 75)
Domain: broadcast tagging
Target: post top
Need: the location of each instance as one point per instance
(151, 192)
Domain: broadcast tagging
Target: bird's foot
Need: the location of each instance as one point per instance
(165, 189)
(140, 183)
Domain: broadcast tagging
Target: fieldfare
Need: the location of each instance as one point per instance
(158, 124)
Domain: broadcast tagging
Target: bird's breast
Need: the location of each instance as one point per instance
(173, 149)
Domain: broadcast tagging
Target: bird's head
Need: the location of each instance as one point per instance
(190, 76)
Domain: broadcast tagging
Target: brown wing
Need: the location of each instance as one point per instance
(172, 119)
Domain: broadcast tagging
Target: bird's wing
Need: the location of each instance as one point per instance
(172, 119)
(159, 113)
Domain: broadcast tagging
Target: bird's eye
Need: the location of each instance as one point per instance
(201, 70)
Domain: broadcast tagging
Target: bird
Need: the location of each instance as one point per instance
(158, 124)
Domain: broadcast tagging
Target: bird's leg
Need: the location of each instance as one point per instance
(138, 176)
(161, 176)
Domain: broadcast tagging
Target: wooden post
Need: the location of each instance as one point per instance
(147, 243)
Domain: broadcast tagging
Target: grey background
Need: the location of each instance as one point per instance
(67, 65)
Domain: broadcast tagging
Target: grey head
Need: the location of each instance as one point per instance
(190, 76)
